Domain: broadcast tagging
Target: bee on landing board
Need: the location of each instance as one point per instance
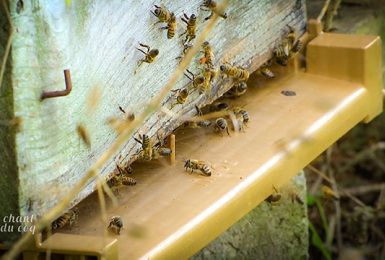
(171, 27)
(162, 14)
(181, 96)
(190, 29)
(149, 55)
(116, 224)
(237, 73)
(208, 53)
(68, 218)
(191, 165)
(198, 82)
(146, 152)
(211, 5)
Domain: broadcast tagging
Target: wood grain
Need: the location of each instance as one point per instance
(96, 40)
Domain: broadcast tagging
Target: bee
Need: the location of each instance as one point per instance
(237, 90)
(146, 152)
(281, 52)
(181, 97)
(295, 45)
(208, 57)
(122, 177)
(116, 224)
(211, 5)
(68, 218)
(194, 124)
(162, 13)
(265, 70)
(236, 73)
(275, 197)
(192, 165)
(171, 27)
(329, 193)
(221, 125)
(149, 57)
(218, 106)
(186, 47)
(198, 83)
(130, 116)
(191, 27)
(161, 151)
(243, 113)
(83, 134)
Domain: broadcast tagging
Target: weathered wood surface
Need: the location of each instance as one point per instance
(96, 40)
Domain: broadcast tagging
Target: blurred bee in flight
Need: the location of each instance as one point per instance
(211, 5)
(190, 29)
(162, 14)
(171, 26)
(116, 224)
(191, 165)
(149, 55)
(68, 218)
(83, 134)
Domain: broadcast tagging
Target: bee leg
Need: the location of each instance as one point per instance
(185, 16)
(164, 28)
(184, 20)
(183, 34)
(227, 130)
(208, 17)
(145, 46)
(141, 51)
(153, 13)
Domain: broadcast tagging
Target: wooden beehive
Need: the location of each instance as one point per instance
(96, 40)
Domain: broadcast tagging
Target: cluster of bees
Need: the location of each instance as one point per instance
(202, 82)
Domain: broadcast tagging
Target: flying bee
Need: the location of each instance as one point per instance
(116, 224)
(191, 27)
(191, 165)
(83, 134)
(130, 116)
(181, 97)
(237, 90)
(221, 126)
(146, 152)
(329, 193)
(162, 13)
(208, 57)
(265, 70)
(211, 5)
(171, 26)
(198, 83)
(68, 218)
(275, 197)
(149, 57)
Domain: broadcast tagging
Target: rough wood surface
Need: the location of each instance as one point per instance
(96, 40)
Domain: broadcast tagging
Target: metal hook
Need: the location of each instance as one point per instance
(60, 93)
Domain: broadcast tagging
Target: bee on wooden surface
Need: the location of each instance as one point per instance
(191, 27)
(68, 218)
(195, 124)
(237, 73)
(281, 52)
(146, 152)
(116, 224)
(221, 126)
(161, 151)
(162, 14)
(208, 53)
(171, 26)
(198, 82)
(211, 5)
(181, 96)
(123, 178)
(130, 116)
(243, 113)
(83, 134)
(237, 90)
(191, 165)
(275, 197)
(149, 55)
(265, 70)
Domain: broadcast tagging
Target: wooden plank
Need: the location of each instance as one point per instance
(96, 40)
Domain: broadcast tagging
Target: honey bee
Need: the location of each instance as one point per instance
(218, 106)
(201, 166)
(288, 47)
(146, 152)
(171, 26)
(237, 90)
(211, 5)
(161, 151)
(208, 57)
(329, 193)
(68, 218)
(149, 57)
(130, 116)
(116, 224)
(191, 27)
(122, 177)
(239, 74)
(275, 197)
(162, 13)
(221, 125)
(181, 97)
(265, 70)
(198, 82)
(243, 113)
(83, 134)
